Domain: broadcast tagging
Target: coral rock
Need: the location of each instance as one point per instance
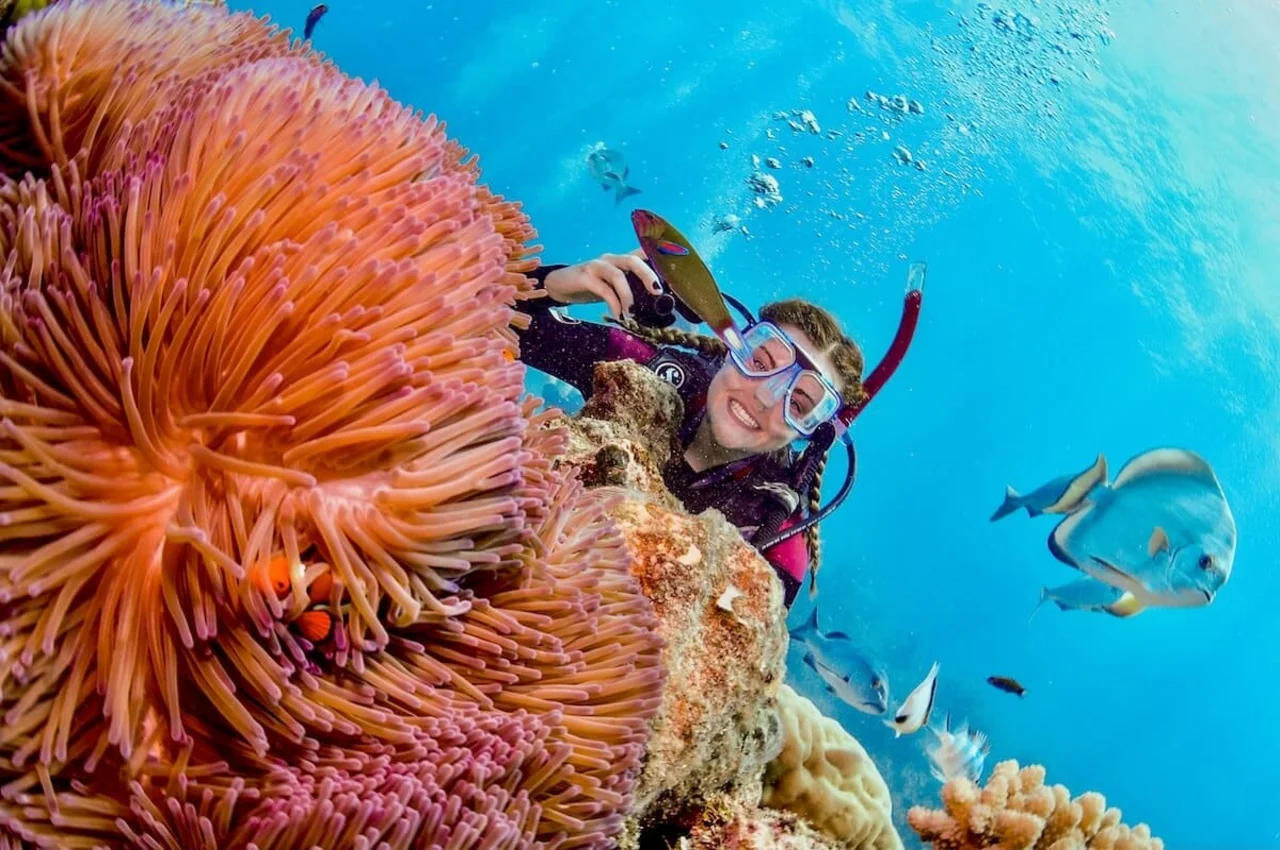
(824, 775)
(627, 431)
(718, 724)
(1017, 811)
(729, 824)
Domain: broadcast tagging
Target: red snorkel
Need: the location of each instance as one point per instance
(897, 349)
(827, 434)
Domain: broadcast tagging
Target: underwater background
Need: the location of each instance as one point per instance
(1094, 187)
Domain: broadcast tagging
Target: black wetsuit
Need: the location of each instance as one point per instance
(751, 492)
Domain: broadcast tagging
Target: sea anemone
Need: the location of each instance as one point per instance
(285, 558)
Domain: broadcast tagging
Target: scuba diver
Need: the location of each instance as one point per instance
(749, 392)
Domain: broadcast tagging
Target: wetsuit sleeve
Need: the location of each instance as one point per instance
(568, 348)
(790, 560)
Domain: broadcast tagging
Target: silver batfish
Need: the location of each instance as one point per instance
(1162, 531)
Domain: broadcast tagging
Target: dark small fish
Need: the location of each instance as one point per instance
(1004, 683)
(313, 18)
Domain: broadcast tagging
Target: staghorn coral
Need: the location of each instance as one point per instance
(1017, 811)
(254, 311)
(824, 775)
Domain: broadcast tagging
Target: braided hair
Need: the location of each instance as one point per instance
(828, 338)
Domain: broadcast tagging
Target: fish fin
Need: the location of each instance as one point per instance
(1126, 606)
(810, 625)
(315, 625)
(1044, 597)
(1063, 530)
(1012, 501)
(933, 693)
(1077, 491)
(1158, 542)
(605, 187)
(1111, 569)
(625, 191)
(1159, 461)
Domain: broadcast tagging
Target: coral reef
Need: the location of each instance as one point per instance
(824, 775)
(286, 563)
(728, 734)
(625, 432)
(728, 824)
(1017, 811)
(718, 725)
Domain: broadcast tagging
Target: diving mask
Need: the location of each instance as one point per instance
(788, 376)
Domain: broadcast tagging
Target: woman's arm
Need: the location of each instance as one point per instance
(568, 348)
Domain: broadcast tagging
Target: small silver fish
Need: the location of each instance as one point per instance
(1089, 595)
(957, 752)
(1059, 496)
(609, 168)
(847, 673)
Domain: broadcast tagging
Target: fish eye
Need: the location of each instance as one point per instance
(1206, 562)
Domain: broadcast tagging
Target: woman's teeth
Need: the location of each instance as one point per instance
(740, 413)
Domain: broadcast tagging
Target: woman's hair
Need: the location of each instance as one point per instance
(828, 338)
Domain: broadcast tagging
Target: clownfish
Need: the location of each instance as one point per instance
(315, 624)
(276, 575)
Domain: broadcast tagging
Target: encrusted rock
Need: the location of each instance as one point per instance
(720, 610)
(718, 726)
(728, 824)
(626, 432)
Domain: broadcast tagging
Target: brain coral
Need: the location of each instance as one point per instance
(824, 775)
(284, 560)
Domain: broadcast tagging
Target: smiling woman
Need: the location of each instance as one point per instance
(742, 413)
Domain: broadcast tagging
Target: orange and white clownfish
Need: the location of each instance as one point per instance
(277, 575)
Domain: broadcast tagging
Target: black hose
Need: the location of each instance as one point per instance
(825, 511)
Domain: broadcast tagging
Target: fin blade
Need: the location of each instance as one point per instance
(1126, 606)
(1159, 461)
(1012, 501)
(625, 191)
(1158, 542)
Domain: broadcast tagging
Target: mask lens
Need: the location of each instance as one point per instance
(811, 403)
(806, 394)
(768, 352)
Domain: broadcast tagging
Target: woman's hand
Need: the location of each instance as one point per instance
(602, 279)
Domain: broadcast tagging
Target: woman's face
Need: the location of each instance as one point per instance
(740, 420)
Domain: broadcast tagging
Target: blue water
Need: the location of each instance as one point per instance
(1100, 251)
